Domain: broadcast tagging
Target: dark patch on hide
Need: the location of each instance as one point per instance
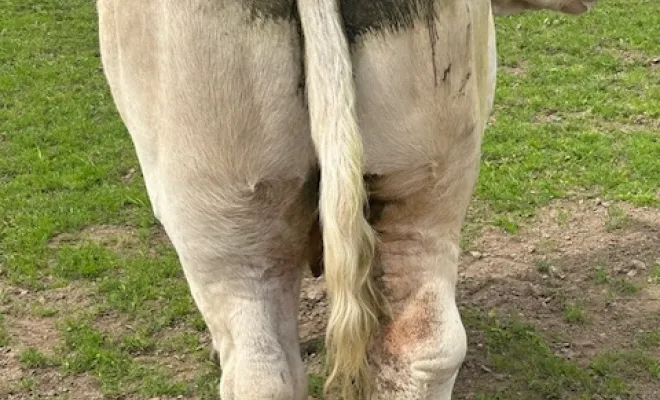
(445, 74)
(375, 208)
(433, 37)
(285, 10)
(273, 9)
(311, 188)
(315, 247)
(362, 16)
(461, 90)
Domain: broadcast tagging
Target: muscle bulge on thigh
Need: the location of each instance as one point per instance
(422, 105)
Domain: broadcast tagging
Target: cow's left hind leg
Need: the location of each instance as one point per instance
(210, 93)
(246, 284)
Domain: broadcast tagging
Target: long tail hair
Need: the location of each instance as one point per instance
(348, 239)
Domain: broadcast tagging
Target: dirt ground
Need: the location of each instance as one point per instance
(554, 260)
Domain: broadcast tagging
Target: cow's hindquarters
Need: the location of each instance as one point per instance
(211, 97)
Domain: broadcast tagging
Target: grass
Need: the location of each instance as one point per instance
(575, 117)
(574, 313)
(316, 383)
(43, 311)
(28, 383)
(617, 218)
(616, 286)
(655, 273)
(4, 336)
(593, 74)
(627, 364)
(649, 340)
(32, 358)
(563, 218)
(543, 266)
(536, 372)
(90, 350)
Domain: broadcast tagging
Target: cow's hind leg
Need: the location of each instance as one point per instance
(210, 93)
(249, 296)
(418, 214)
(424, 93)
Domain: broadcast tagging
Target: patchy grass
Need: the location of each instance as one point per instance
(32, 358)
(617, 218)
(316, 383)
(649, 340)
(89, 350)
(520, 351)
(655, 273)
(601, 276)
(28, 383)
(563, 218)
(575, 313)
(43, 311)
(506, 223)
(616, 285)
(4, 336)
(627, 364)
(543, 266)
(576, 118)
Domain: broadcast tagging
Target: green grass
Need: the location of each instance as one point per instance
(615, 285)
(32, 358)
(43, 311)
(524, 355)
(593, 73)
(316, 383)
(574, 313)
(649, 339)
(4, 336)
(629, 365)
(110, 360)
(543, 266)
(65, 156)
(617, 218)
(28, 383)
(655, 273)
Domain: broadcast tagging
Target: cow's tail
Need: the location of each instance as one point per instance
(348, 239)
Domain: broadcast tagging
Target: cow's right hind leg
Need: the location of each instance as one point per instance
(424, 95)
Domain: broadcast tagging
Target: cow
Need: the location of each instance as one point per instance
(254, 121)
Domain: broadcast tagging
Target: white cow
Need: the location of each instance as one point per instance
(235, 105)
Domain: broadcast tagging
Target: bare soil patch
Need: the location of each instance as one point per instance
(28, 330)
(114, 237)
(105, 235)
(633, 124)
(518, 69)
(591, 254)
